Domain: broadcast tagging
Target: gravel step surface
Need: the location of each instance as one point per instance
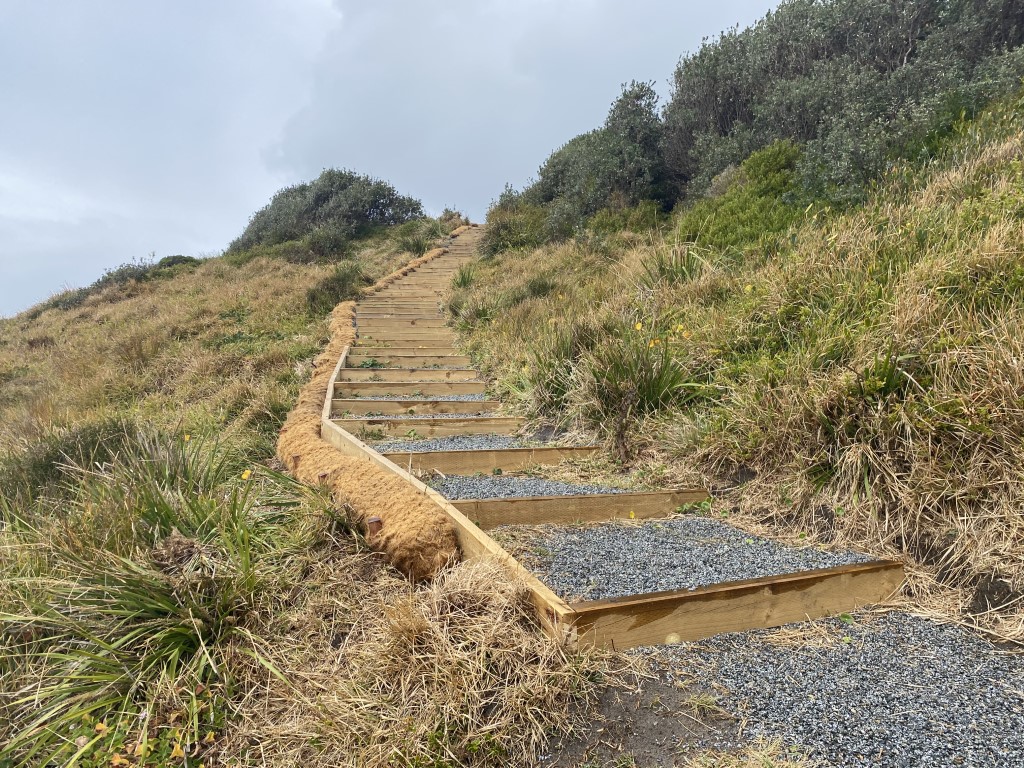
(894, 691)
(444, 398)
(453, 443)
(621, 559)
(510, 486)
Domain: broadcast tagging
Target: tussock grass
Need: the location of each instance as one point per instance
(452, 674)
(853, 375)
(167, 597)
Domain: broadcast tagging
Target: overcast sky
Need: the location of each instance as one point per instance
(130, 128)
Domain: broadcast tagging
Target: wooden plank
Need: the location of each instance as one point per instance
(387, 359)
(389, 337)
(416, 407)
(542, 510)
(683, 615)
(418, 388)
(427, 427)
(407, 374)
(554, 615)
(507, 460)
(414, 322)
(377, 351)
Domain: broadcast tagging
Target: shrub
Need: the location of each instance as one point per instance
(515, 225)
(335, 208)
(343, 284)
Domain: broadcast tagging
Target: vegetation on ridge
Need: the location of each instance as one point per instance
(854, 373)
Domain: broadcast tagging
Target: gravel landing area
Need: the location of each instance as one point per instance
(446, 398)
(622, 559)
(453, 443)
(892, 691)
(512, 486)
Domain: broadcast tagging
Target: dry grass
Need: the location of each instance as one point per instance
(763, 754)
(218, 348)
(859, 383)
(379, 674)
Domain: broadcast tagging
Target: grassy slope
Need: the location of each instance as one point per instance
(149, 553)
(857, 373)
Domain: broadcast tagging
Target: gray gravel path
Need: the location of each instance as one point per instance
(511, 486)
(453, 443)
(621, 559)
(895, 692)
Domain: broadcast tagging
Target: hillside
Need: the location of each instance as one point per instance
(846, 375)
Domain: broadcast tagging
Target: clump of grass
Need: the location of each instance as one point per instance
(673, 266)
(464, 276)
(451, 674)
(343, 284)
(136, 594)
(632, 376)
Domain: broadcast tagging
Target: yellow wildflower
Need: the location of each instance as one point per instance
(247, 474)
(187, 437)
(177, 751)
(209, 738)
(639, 326)
(101, 727)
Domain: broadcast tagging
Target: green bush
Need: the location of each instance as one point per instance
(515, 225)
(334, 209)
(642, 217)
(343, 284)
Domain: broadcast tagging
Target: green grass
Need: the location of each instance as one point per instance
(859, 359)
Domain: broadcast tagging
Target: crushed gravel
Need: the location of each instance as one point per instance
(891, 691)
(445, 398)
(511, 486)
(453, 443)
(621, 559)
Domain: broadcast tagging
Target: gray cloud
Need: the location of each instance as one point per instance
(136, 127)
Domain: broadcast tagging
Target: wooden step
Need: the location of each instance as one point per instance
(470, 425)
(734, 606)
(377, 351)
(357, 406)
(387, 359)
(416, 337)
(371, 324)
(418, 388)
(507, 459)
(543, 510)
(407, 374)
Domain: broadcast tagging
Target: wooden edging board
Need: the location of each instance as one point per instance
(408, 374)
(373, 388)
(413, 407)
(506, 460)
(410, 361)
(553, 613)
(427, 427)
(684, 615)
(542, 510)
